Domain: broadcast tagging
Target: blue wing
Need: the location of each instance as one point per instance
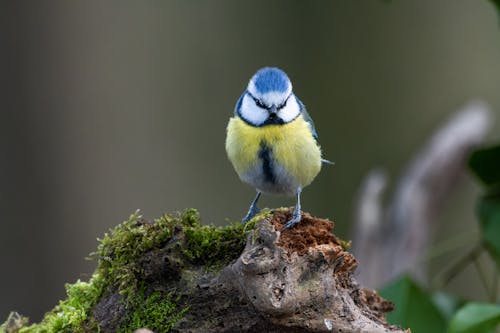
(307, 118)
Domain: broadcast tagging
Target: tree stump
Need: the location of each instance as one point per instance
(270, 280)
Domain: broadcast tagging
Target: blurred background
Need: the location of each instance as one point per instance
(113, 106)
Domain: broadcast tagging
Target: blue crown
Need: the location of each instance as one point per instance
(270, 79)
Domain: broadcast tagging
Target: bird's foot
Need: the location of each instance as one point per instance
(254, 210)
(296, 217)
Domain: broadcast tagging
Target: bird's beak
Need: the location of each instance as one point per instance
(273, 109)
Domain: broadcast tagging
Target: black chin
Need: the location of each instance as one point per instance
(273, 119)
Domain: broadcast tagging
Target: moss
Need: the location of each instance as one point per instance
(118, 269)
(70, 314)
(157, 312)
(216, 246)
(119, 249)
(346, 244)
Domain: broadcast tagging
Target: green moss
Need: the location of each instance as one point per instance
(70, 314)
(215, 246)
(118, 269)
(346, 244)
(157, 312)
(119, 249)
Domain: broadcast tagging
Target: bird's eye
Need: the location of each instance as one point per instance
(259, 103)
(282, 105)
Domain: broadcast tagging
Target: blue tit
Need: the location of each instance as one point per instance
(271, 140)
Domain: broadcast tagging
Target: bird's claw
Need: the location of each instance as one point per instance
(295, 219)
(251, 213)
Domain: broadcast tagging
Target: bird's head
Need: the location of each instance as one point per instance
(269, 99)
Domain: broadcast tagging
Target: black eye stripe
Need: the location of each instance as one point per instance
(260, 104)
(263, 106)
(257, 102)
(282, 105)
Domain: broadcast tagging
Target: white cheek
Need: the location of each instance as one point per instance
(251, 112)
(290, 111)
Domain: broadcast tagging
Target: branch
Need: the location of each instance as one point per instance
(400, 233)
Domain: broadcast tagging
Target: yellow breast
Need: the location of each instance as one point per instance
(294, 150)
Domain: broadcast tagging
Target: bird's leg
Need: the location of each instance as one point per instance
(253, 210)
(297, 214)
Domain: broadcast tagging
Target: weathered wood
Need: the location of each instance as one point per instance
(298, 280)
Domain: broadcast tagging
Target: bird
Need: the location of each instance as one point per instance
(271, 140)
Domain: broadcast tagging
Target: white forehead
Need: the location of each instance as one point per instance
(270, 98)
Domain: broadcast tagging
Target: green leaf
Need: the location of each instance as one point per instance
(414, 308)
(488, 210)
(485, 163)
(475, 318)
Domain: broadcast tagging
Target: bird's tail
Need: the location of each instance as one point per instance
(327, 161)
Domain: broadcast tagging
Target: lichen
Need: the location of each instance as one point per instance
(118, 269)
(13, 323)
